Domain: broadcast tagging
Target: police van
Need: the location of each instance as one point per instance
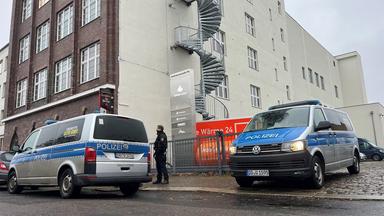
(301, 140)
(91, 150)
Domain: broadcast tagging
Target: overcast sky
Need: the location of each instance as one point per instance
(340, 25)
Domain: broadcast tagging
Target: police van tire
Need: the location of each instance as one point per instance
(129, 189)
(245, 181)
(318, 173)
(13, 187)
(355, 168)
(67, 188)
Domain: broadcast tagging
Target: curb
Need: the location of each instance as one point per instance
(266, 195)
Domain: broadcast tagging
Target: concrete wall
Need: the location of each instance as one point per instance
(3, 79)
(351, 73)
(308, 53)
(146, 58)
(368, 120)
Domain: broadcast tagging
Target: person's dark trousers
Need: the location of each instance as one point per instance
(162, 171)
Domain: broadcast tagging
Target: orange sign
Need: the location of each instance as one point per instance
(206, 144)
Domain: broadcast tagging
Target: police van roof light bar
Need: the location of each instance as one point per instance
(299, 103)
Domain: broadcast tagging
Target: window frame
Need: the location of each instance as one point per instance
(64, 21)
(40, 84)
(26, 9)
(24, 48)
(304, 75)
(253, 58)
(285, 63)
(310, 72)
(21, 93)
(61, 72)
(255, 96)
(86, 62)
(218, 42)
(86, 12)
(42, 37)
(250, 25)
(42, 3)
(222, 91)
(322, 82)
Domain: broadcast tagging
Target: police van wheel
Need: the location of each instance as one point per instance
(129, 189)
(13, 187)
(318, 173)
(67, 187)
(355, 168)
(245, 181)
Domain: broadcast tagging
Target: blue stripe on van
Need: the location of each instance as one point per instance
(77, 149)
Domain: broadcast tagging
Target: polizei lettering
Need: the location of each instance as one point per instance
(112, 147)
(262, 136)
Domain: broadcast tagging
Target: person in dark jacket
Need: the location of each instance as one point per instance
(160, 156)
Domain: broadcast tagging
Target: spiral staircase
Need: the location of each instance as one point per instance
(212, 61)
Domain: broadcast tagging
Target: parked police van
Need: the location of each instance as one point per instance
(302, 139)
(91, 150)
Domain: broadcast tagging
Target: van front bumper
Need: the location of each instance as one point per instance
(297, 164)
(92, 180)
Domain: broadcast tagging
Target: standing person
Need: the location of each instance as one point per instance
(160, 156)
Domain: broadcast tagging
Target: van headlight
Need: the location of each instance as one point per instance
(381, 150)
(233, 150)
(294, 146)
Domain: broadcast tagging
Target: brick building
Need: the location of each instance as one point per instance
(61, 54)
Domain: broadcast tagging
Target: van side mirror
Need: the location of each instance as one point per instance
(16, 148)
(323, 125)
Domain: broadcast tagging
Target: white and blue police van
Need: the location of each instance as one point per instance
(302, 140)
(90, 150)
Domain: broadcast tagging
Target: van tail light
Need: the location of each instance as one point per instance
(90, 155)
(3, 166)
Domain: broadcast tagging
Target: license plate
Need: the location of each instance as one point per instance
(124, 156)
(258, 173)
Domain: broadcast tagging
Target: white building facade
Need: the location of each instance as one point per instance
(269, 59)
(3, 79)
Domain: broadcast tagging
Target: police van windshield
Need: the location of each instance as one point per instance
(284, 118)
(120, 129)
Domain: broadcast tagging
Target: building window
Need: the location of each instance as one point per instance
(310, 75)
(322, 82)
(334, 64)
(279, 7)
(270, 14)
(273, 44)
(24, 49)
(303, 73)
(250, 24)
(90, 63)
(63, 73)
(26, 9)
(336, 91)
(40, 87)
(288, 92)
(285, 63)
(222, 91)
(91, 10)
(253, 59)
(317, 79)
(255, 96)
(282, 35)
(218, 42)
(42, 3)
(65, 22)
(276, 75)
(21, 93)
(42, 37)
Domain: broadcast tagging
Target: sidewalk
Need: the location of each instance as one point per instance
(368, 185)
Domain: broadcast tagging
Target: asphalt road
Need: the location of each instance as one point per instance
(91, 202)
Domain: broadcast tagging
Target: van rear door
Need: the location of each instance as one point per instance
(120, 142)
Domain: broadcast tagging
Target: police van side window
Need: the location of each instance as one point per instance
(47, 137)
(336, 120)
(318, 117)
(70, 131)
(30, 142)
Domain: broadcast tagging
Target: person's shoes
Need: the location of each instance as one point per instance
(156, 182)
(166, 182)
